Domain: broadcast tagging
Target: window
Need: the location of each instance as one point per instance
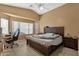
(15, 26)
(30, 28)
(26, 28)
(4, 25)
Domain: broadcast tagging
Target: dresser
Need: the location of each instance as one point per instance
(71, 42)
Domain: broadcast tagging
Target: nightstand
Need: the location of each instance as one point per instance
(71, 42)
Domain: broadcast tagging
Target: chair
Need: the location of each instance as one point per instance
(14, 38)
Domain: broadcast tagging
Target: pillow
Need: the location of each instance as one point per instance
(49, 34)
(49, 37)
(44, 35)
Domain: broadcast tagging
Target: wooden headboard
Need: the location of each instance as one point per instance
(56, 30)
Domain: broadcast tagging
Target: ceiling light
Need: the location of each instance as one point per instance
(41, 8)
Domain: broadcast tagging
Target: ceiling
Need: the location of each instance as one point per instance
(39, 8)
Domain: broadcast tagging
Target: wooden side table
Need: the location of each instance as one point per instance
(71, 42)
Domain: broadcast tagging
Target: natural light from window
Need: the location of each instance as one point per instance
(4, 25)
(24, 27)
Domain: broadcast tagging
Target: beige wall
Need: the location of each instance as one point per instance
(19, 12)
(67, 16)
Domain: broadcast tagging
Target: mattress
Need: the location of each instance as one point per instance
(47, 42)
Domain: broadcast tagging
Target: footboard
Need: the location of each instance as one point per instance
(45, 50)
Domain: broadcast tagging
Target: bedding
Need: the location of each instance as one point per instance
(55, 40)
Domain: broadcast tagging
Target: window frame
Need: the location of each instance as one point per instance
(10, 19)
(24, 22)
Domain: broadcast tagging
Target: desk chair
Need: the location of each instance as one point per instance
(13, 39)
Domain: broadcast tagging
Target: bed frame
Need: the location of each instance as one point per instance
(47, 50)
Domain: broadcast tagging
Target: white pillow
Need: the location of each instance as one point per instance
(49, 34)
(46, 35)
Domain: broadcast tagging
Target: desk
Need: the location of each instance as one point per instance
(3, 38)
(1, 44)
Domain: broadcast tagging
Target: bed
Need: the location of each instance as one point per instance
(47, 45)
